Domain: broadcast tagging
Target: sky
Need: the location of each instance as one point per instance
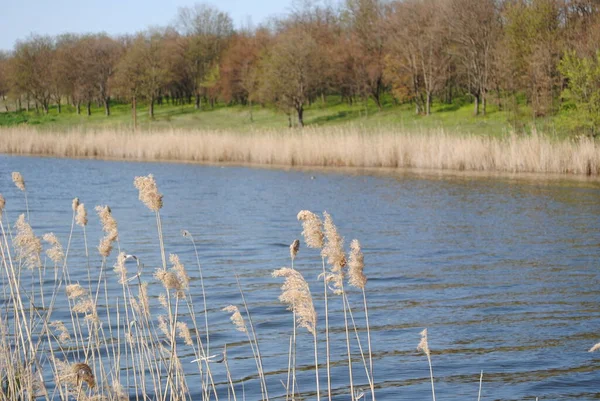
(19, 19)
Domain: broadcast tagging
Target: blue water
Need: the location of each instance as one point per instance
(504, 272)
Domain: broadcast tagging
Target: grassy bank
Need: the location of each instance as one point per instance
(455, 117)
(320, 147)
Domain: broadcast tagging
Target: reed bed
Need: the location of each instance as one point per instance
(66, 338)
(322, 147)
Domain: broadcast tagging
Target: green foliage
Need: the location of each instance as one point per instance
(582, 96)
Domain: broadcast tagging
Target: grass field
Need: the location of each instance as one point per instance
(454, 118)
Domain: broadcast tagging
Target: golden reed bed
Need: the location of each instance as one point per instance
(338, 147)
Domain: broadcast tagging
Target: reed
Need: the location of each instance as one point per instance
(104, 347)
(424, 346)
(320, 147)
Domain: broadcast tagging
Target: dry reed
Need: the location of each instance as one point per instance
(18, 180)
(81, 217)
(28, 246)
(337, 147)
(296, 294)
(424, 346)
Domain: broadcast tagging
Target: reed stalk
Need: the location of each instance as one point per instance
(424, 346)
(480, 384)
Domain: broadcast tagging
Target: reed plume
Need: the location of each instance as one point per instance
(148, 192)
(109, 226)
(18, 180)
(357, 278)
(2, 205)
(27, 245)
(55, 253)
(75, 291)
(74, 204)
(311, 229)
(424, 346)
(236, 318)
(595, 348)
(81, 217)
(184, 333)
(356, 265)
(120, 267)
(294, 248)
(334, 252)
(63, 332)
(169, 280)
(296, 294)
(180, 271)
(83, 302)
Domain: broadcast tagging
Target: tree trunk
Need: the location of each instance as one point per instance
(300, 111)
(151, 108)
(45, 108)
(428, 104)
(89, 108)
(251, 116)
(289, 120)
(198, 104)
(58, 108)
(107, 106)
(476, 111)
(483, 103)
(78, 107)
(134, 112)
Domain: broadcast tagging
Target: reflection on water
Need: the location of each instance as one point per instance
(503, 272)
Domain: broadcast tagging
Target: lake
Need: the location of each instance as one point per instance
(504, 272)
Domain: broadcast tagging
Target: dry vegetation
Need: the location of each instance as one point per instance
(320, 147)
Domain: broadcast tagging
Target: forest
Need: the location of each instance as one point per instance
(536, 58)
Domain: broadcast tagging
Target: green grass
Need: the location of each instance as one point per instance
(455, 117)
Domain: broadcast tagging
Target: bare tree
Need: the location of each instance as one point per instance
(474, 28)
(366, 29)
(31, 69)
(206, 30)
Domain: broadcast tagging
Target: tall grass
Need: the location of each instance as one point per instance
(338, 147)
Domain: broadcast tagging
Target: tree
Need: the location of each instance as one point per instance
(474, 27)
(366, 29)
(101, 55)
(532, 45)
(141, 72)
(4, 84)
(31, 69)
(418, 57)
(583, 87)
(291, 69)
(206, 30)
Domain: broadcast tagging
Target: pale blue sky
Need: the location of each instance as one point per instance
(18, 19)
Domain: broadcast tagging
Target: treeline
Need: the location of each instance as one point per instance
(539, 53)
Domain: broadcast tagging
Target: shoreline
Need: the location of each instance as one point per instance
(341, 149)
